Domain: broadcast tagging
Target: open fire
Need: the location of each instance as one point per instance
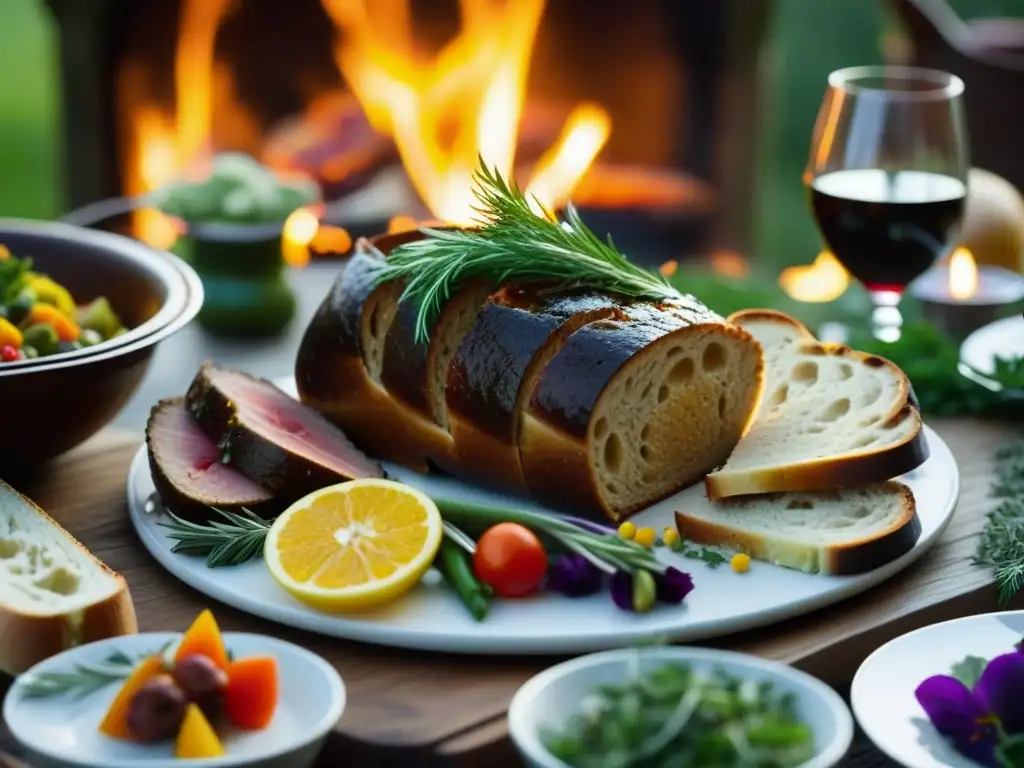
(441, 111)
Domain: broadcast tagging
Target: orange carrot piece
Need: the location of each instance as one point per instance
(66, 328)
(203, 638)
(251, 696)
(115, 722)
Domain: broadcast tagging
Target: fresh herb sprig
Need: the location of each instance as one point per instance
(1001, 545)
(233, 540)
(83, 679)
(514, 243)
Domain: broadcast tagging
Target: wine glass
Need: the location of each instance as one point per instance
(887, 176)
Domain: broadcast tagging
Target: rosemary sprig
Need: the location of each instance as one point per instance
(1001, 545)
(234, 540)
(514, 244)
(84, 679)
(239, 538)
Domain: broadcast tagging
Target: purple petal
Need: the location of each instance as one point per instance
(574, 576)
(621, 588)
(1000, 689)
(953, 710)
(673, 585)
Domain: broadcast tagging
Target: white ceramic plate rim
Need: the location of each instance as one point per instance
(857, 686)
(585, 640)
(979, 348)
(272, 646)
(529, 740)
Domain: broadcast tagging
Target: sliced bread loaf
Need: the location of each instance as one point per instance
(829, 417)
(341, 357)
(636, 407)
(842, 531)
(495, 369)
(54, 594)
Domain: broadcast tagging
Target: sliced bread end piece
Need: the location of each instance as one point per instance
(633, 409)
(54, 594)
(839, 532)
(829, 417)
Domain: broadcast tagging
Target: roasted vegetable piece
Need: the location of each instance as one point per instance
(99, 316)
(42, 337)
(196, 738)
(115, 722)
(203, 682)
(203, 638)
(66, 328)
(251, 696)
(50, 292)
(9, 334)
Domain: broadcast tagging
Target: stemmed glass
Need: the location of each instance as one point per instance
(887, 176)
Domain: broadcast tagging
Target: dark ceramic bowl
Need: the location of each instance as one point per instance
(52, 404)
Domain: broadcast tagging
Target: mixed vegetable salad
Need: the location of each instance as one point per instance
(39, 316)
(677, 716)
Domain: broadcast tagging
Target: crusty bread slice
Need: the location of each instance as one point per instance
(340, 359)
(842, 531)
(54, 594)
(637, 407)
(830, 417)
(415, 372)
(495, 369)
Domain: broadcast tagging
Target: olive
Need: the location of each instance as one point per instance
(42, 337)
(202, 681)
(156, 710)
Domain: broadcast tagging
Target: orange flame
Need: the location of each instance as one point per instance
(463, 104)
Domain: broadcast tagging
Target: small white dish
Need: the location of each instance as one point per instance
(61, 731)
(882, 694)
(551, 698)
(1003, 338)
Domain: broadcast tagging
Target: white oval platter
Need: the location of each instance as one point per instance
(432, 618)
(882, 693)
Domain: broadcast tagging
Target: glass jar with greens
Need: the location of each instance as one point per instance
(235, 218)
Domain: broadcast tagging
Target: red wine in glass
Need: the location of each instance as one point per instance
(887, 175)
(887, 228)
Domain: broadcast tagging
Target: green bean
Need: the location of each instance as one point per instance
(455, 566)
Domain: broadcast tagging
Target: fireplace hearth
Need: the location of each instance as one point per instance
(645, 111)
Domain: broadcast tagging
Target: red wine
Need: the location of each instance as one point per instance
(887, 228)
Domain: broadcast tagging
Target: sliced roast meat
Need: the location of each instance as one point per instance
(273, 439)
(187, 471)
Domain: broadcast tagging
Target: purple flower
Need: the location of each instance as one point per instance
(633, 591)
(973, 719)
(574, 576)
(621, 587)
(673, 585)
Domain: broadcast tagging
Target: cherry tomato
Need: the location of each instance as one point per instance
(9, 353)
(511, 559)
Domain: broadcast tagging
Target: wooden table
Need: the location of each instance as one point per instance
(417, 709)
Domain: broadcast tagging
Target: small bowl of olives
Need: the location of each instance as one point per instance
(139, 701)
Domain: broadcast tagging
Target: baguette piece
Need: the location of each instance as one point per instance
(838, 532)
(830, 417)
(340, 359)
(495, 369)
(637, 407)
(54, 594)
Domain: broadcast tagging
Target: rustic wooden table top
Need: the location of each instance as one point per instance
(410, 709)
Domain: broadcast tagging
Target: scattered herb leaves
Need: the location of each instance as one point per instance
(84, 679)
(1001, 544)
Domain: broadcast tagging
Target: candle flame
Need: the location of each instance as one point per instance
(299, 230)
(963, 274)
(824, 280)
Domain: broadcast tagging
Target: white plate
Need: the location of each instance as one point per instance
(1003, 338)
(555, 695)
(62, 730)
(883, 688)
(432, 618)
